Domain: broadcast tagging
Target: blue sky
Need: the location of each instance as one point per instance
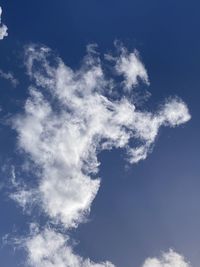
(118, 106)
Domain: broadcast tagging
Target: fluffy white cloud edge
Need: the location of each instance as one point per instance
(3, 28)
(51, 249)
(167, 259)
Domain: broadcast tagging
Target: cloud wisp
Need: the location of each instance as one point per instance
(10, 77)
(3, 28)
(70, 117)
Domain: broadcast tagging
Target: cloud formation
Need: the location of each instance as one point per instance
(70, 117)
(168, 259)
(3, 28)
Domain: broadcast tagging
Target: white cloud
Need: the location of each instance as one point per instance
(67, 121)
(3, 28)
(168, 259)
(175, 112)
(51, 249)
(130, 66)
(10, 77)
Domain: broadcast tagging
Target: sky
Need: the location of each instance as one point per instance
(99, 133)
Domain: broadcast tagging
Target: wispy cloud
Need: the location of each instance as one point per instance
(10, 77)
(3, 28)
(69, 118)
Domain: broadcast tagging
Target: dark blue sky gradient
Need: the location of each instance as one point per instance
(154, 205)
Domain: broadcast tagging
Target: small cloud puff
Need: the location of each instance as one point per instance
(130, 66)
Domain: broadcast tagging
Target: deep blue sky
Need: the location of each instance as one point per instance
(153, 205)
